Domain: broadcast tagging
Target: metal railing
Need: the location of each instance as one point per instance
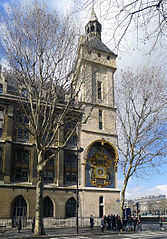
(49, 222)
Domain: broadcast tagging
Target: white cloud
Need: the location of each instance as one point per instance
(7, 7)
(4, 63)
(120, 183)
(138, 191)
(61, 6)
(159, 189)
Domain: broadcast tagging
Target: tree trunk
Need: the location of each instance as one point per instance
(39, 227)
(123, 199)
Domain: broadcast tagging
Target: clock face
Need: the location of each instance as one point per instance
(100, 172)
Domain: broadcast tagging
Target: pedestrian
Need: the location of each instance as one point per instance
(108, 222)
(161, 220)
(102, 224)
(91, 222)
(134, 223)
(105, 221)
(33, 224)
(19, 225)
(113, 223)
(119, 224)
(124, 224)
(129, 221)
(139, 223)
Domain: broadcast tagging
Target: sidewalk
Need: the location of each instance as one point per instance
(63, 232)
(59, 232)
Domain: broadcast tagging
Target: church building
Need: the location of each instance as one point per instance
(97, 163)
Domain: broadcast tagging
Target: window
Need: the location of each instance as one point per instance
(1, 122)
(68, 128)
(108, 58)
(100, 119)
(22, 156)
(1, 164)
(23, 119)
(101, 199)
(21, 174)
(49, 169)
(1, 88)
(19, 209)
(70, 208)
(99, 90)
(21, 165)
(22, 132)
(70, 168)
(99, 55)
(101, 205)
(92, 28)
(99, 29)
(48, 175)
(47, 207)
(70, 177)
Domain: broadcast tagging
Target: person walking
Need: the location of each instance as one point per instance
(161, 220)
(119, 224)
(91, 222)
(33, 225)
(139, 223)
(134, 223)
(129, 221)
(108, 222)
(102, 224)
(19, 225)
(113, 223)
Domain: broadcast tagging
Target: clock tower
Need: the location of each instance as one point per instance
(99, 194)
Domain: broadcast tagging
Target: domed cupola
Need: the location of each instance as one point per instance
(93, 27)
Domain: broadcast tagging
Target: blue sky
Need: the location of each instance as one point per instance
(154, 183)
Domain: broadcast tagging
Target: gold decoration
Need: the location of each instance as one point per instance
(100, 169)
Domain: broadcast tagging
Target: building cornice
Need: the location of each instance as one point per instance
(100, 106)
(57, 188)
(100, 133)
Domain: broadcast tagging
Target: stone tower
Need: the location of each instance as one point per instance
(98, 165)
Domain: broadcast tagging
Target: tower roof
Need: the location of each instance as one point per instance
(98, 44)
(93, 16)
(93, 27)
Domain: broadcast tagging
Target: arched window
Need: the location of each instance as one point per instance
(47, 207)
(92, 28)
(70, 208)
(19, 209)
(1, 122)
(101, 206)
(1, 88)
(101, 199)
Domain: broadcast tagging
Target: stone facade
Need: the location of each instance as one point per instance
(98, 192)
(150, 205)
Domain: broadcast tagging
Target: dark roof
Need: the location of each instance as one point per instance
(98, 44)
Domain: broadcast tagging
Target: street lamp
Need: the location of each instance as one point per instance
(125, 216)
(79, 150)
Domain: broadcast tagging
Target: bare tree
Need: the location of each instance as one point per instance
(41, 50)
(141, 104)
(145, 20)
